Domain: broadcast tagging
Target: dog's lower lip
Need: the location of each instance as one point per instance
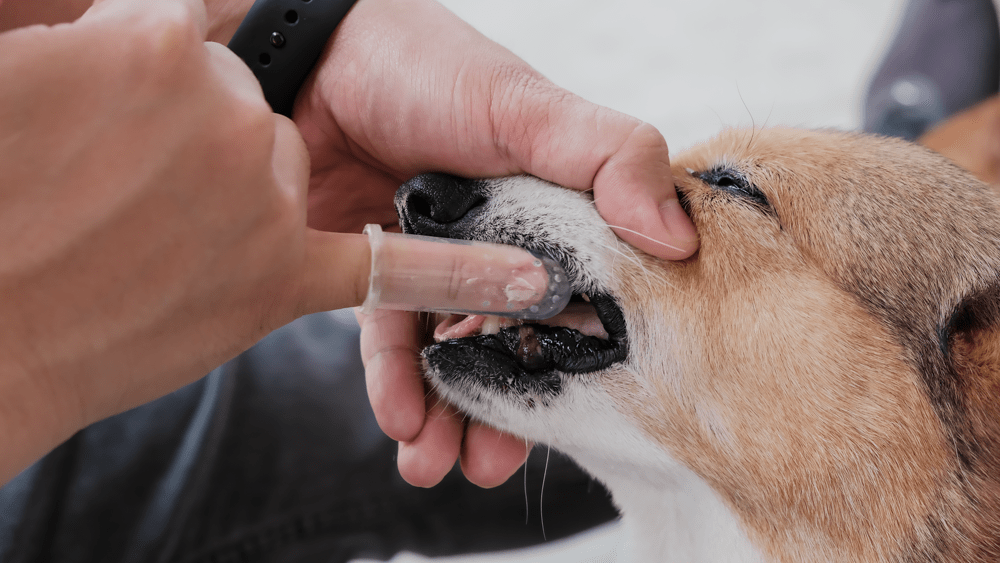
(535, 348)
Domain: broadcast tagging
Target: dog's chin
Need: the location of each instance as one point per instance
(508, 356)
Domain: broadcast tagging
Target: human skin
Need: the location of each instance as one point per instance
(152, 218)
(502, 118)
(404, 87)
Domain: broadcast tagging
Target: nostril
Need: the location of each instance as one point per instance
(419, 206)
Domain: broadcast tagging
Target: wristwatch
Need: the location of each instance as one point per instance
(280, 40)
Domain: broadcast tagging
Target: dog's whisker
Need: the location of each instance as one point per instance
(541, 495)
(753, 124)
(647, 237)
(617, 251)
(593, 202)
(437, 403)
(637, 261)
(647, 277)
(614, 254)
(527, 504)
(623, 248)
(768, 118)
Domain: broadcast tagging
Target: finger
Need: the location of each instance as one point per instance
(625, 162)
(390, 351)
(161, 12)
(424, 461)
(410, 272)
(336, 271)
(634, 192)
(490, 457)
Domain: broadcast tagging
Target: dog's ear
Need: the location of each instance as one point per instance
(971, 337)
(972, 350)
(973, 355)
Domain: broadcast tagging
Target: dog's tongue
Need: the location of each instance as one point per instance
(581, 317)
(578, 316)
(458, 326)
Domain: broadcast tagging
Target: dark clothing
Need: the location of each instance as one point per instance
(275, 456)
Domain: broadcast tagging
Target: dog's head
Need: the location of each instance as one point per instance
(827, 362)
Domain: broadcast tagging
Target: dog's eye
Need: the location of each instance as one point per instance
(732, 181)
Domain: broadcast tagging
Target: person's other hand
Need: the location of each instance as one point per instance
(152, 218)
(406, 87)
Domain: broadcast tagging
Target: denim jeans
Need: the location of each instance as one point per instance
(274, 456)
(944, 58)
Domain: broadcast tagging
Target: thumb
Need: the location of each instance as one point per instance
(567, 140)
(634, 192)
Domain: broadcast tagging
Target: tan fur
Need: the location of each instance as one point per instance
(819, 383)
(971, 139)
(791, 341)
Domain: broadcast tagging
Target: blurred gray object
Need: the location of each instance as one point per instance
(945, 58)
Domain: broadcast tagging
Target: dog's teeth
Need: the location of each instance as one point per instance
(491, 325)
(585, 297)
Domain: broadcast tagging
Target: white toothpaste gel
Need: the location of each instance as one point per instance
(419, 273)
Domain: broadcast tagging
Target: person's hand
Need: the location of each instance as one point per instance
(152, 218)
(406, 87)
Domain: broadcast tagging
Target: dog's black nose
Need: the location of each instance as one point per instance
(439, 205)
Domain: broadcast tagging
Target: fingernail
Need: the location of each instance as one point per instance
(678, 224)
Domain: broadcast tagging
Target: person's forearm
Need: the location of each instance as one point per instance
(224, 16)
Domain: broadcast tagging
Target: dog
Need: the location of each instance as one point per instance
(820, 382)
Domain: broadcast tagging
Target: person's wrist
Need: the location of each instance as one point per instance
(281, 41)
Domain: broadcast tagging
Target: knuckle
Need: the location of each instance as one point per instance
(243, 134)
(173, 20)
(256, 117)
(285, 210)
(289, 210)
(166, 38)
(253, 118)
(279, 214)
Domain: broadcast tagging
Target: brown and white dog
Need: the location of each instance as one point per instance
(820, 382)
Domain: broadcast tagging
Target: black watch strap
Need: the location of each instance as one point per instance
(280, 40)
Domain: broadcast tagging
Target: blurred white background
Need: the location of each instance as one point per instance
(690, 68)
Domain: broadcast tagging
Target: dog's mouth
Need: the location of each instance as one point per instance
(589, 335)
